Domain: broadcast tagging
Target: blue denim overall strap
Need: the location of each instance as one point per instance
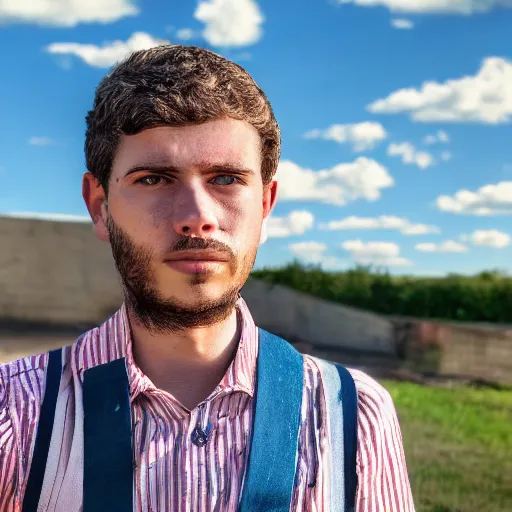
(108, 463)
(270, 476)
(44, 432)
(349, 413)
(341, 412)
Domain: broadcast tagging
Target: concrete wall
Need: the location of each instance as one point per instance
(59, 273)
(55, 272)
(302, 318)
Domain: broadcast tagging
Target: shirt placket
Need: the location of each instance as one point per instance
(197, 436)
(199, 426)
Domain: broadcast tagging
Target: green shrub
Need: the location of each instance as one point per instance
(485, 297)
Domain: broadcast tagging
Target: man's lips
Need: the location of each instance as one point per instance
(198, 256)
(196, 262)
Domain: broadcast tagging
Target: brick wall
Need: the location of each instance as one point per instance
(465, 350)
(484, 352)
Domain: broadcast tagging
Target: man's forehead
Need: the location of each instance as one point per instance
(201, 145)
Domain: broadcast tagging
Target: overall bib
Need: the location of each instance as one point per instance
(108, 463)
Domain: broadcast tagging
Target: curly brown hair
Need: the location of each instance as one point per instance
(175, 85)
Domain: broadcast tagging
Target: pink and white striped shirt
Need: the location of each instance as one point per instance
(172, 473)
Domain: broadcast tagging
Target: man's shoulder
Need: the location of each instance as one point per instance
(369, 391)
(15, 369)
(22, 383)
(39, 362)
(27, 374)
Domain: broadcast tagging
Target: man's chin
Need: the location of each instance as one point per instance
(163, 314)
(198, 296)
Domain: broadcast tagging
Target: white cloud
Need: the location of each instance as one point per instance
(375, 253)
(362, 179)
(402, 23)
(390, 222)
(420, 229)
(440, 136)
(312, 252)
(362, 136)
(410, 155)
(446, 156)
(447, 246)
(65, 13)
(108, 54)
(185, 34)
(487, 200)
(40, 141)
(433, 6)
(488, 238)
(230, 23)
(296, 223)
(483, 98)
(443, 136)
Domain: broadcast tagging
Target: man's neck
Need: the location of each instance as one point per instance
(190, 364)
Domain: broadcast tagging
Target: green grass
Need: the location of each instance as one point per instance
(458, 446)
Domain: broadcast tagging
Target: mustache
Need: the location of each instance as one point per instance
(185, 243)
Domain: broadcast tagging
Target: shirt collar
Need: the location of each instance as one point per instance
(112, 340)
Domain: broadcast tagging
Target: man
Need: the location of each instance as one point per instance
(160, 407)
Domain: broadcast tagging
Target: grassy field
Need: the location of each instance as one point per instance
(458, 445)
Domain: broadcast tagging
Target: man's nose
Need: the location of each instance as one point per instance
(194, 215)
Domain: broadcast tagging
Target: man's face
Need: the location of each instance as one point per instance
(184, 214)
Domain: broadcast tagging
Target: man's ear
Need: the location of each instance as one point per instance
(269, 198)
(269, 201)
(96, 202)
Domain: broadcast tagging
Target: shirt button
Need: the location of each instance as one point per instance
(199, 436)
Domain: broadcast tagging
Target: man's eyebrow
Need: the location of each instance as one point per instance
(227, 167)
(204, 168)
(160, 168)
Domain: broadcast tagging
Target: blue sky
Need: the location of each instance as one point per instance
(395, 116)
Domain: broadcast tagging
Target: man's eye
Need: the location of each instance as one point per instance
(152, 180)
(225, 179)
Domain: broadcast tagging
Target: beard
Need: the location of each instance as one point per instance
(161, 315)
